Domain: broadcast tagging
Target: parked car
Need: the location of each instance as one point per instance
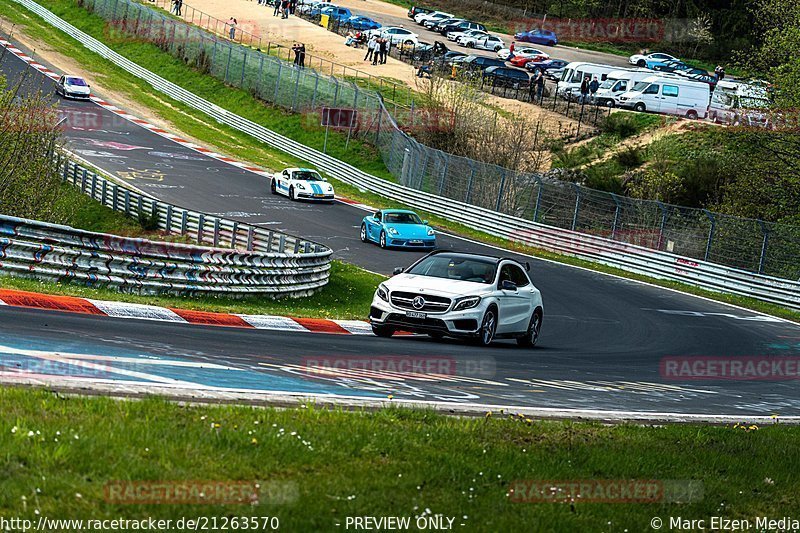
(362, 23)
(526, 51)
(432, 22)
(453, 21)
(462, 26)
(456, 35)
(436, 15)
(460, 295)
(671, 95)
(337, 13)
(488, 42)
(413, 11)
(397, 228)
(452, 56)
(548, 65)
(640, 60)
(473, 65)
(522, 60)
(302, 184)
(506, 77)
(396, 35)
(545, 37)
(316, 9)
(554, 74)
(73, 87)
(674, 66)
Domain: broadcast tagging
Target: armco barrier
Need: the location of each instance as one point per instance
(627, 257)
(259, 262)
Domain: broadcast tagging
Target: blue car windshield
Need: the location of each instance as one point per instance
(456, 268)
(402, 218)
(307, 176)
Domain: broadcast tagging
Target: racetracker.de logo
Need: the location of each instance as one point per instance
(747, 368)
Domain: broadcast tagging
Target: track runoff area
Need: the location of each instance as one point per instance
(610, 347)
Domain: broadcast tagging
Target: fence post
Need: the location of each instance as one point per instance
(260, 74)
(378, 129)
(444, 173)
(538, 197)
(184, 222)
(114, 196)
(282, 243)
(469, 182)
(244, 62)
(103, 191)
(228, 64)
(296, 90)
(663, 227)
(500, 192)
(277, 83)
(713, 221)
(250, 238)
(127, 202)
(616, 217)
(200, 223)
(314, 97)
(577, 206)
(84, 175)
(763, 259)
(169, 218)
(233, 234)
(216, 232)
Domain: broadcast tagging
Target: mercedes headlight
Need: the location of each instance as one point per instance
(383, 292)
(393, 231)
(468, 302)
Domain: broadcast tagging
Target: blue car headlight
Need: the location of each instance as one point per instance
(467, 302)
(431, 232)
(383, 292)
(393, 231)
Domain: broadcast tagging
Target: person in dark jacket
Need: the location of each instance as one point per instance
(538, 82)
(593, 86)
(585, 89)
(384, 49)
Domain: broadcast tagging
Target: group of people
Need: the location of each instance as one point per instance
(589, 89)
(177, 6)
(377, 50)
(299, 50)
(232, 28)
(284, 8)
(719, 72)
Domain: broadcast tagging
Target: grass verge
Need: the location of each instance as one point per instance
(227, 140)
(59, 453)
(347, 295)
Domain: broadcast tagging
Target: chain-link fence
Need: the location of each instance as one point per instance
(743, 243)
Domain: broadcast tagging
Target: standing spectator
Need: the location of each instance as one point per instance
(719, 72)
(302, 55)
(511, 51)
(384, 49)
(178, 6)
(585, 89)
(277, 8)
(373, 41)
(285, 9)
(538, 81)
(593, 86)
(232, 28)
(296, 50)
(292, 7)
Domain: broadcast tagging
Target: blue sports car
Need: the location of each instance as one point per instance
(362, 23)
(397, 228)
(545, 37)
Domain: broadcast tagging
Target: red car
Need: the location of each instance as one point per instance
(523, 59)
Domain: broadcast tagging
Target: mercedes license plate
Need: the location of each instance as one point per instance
(416, 314)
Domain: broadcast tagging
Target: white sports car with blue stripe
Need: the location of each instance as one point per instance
(302, 184)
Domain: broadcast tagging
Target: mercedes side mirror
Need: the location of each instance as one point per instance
(397, 270)
(508, 285)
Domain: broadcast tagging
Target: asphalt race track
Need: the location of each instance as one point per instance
(603, 342)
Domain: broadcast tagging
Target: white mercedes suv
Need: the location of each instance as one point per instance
(460, 295)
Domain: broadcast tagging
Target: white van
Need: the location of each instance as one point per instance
(669, 95)
(570, 84)
(739, 103)
(621, 81)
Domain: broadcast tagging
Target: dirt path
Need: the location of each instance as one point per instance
(322, 43)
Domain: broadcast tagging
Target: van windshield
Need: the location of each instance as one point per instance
(566, 75)
(608, 83)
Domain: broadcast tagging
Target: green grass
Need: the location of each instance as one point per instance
(325, 465)
(301, 128)
(346, 296)
(227, 140)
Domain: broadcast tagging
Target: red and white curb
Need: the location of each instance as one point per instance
(112, 309)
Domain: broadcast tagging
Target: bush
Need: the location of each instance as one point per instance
(630, 157)
(148, 221)
(624, 124)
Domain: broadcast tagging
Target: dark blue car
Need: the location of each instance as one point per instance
(547, 64)
(545, 37)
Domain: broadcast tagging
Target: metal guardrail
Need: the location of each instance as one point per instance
(609, 252)
(258, 262)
